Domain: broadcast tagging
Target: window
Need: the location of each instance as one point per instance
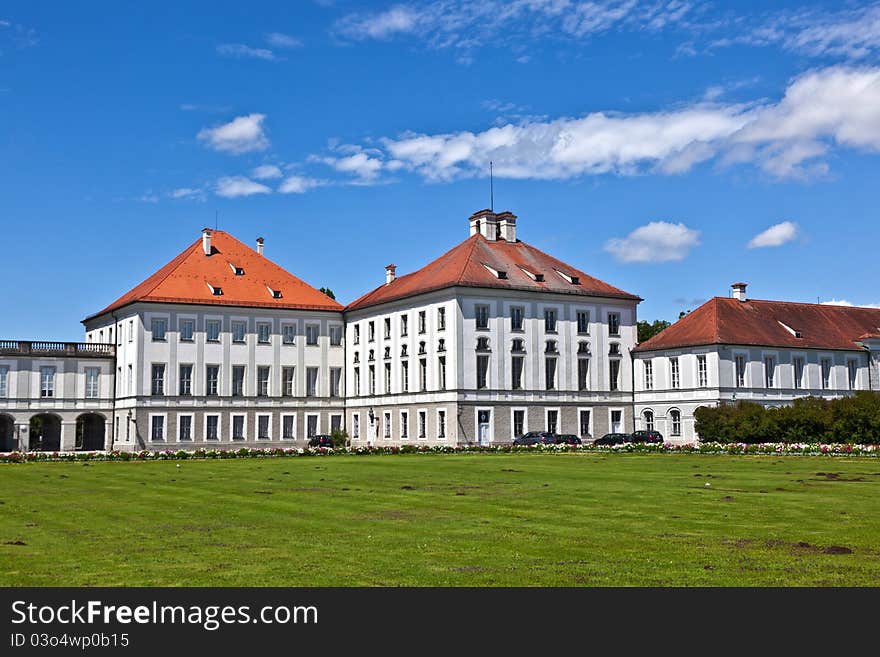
(551, 347)
(675, 379)
(583, 373)
(387, 378)
(423, 421)
(157, 428)
(740, 362)
(212, 380)
(184, 384)
(441, 372)
(675, 416)
(614, 374)
(519, 423)
(372, 380)
(614, 349)
(826, 373)
(482, 343)
(423, 374)
(441, 424)
(335, 335)
(371, 331)
(4, 375)
(91, 382)
(404, 425)
(482, 371)
(130, 381)
(357, 334)
(584, 423)
(288, 384)
(288, 333)
(212, 330)
(516, 372)
(482, 317)
(312, 381)
(649, 420)
(187, 327)
(356, 384)
(387, 327)
(158, 379)
(311, 426)
(422, 348)
(131, 330)
(184, 427)
(212, 425)
(441, 319)
(404, 376)
(852, 369)
(335, 423)
(263, 331)
(335, 380)
(288, 427)
(517, 346)
(769, 371)
(263, 427)
(583, 347)
(237, 380)
(262, 381)
(583, 321)
(403, 350)
(798, 366)
(386, 416)
(550, 320)
(404, 325)
(441, 345)
(312, 334)
(238, 331)
(702, 372)
(238, 427)
(118, 344)
(649, 374)
(516, 318)
(422, 322)
(158, 327)
(552, 421)
(613, 323)
(372, 355)
(550, 373)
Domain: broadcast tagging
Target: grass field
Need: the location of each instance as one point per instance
(437, 520)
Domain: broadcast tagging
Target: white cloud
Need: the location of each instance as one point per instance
(298, 184)
(658, 241)
(241, 135)
(194, 193)
(279, 40)
(776, 235)
(240, 50)
(844, 302)
(266, 172)
(381, 25)
(360, 164)
(236, 186)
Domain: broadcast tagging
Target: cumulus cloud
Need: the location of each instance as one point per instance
(381, 25)
(241, 135)
(658, 241)
(193, 193)
(359, 164)
(236, 186)
(280, 40)
(266, 172)
(239, 50)
(298, 184)
(776, 235)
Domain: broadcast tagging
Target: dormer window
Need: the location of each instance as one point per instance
(517, 345)
(276, 294)
(794, 332)
(482, 343)
(538, 278)
(551, 347)
(216, 291)
(238, 271)
(498, 273)
(574, 280)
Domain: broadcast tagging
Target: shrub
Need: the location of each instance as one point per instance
(340, 438)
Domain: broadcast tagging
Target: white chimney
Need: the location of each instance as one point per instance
(739, 291)
(485, 222)
(260, 241)
(507, 226)
(206, 241)
(390, 273)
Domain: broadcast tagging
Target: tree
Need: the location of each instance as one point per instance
(328, 292)
(647, 331)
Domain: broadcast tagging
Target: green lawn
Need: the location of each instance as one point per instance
(462, 520)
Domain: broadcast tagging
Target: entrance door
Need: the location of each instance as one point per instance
(483, 419)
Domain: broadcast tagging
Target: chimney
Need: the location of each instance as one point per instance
(739, 291)
(507, 225)
(390, 273)
(206, 241)
(260, 241)
(485, 222)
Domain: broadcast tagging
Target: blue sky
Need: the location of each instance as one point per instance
(667, 147)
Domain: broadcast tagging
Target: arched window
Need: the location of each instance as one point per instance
(675, 418)
(649, 420)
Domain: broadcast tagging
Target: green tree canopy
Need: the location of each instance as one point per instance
(647, 331)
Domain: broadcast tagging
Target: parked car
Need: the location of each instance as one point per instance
(568, 439)
(613, 439)
(535, 438)
(321, 440)
(645, 436)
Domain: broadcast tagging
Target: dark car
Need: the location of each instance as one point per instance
(613, 439)
(645, 436)
(535, 438)
(321, 440)
(568, 439)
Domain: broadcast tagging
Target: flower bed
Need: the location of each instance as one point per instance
(774, 449)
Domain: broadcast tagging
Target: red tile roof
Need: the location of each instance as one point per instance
(466, 265)
(760, 323)
(186, 279)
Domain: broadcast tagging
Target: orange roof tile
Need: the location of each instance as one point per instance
(466, 265)
(754, 322)
(186, 279)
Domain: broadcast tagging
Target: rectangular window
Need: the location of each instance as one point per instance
(311, 381)
(238, 427)
(387, 378)
(482, 371)
(614, 374)
(404, 425)
(131, 330)
(613, 323)
(583, 321)
(583, 373)
(288, 333)
(335, 423)
(4, 376)
(212, 427)
(212, 330)
(519, 423)
(158, 327)
(441, 372)
(312, 334)
(516, 318)
(441, 424)
(482, 317)
(386, 417)
(187, 328)
(335, 380)
(237, 380)
(798, 367)
(288, 427)
(371, 331)
(355, 426)
(356, 384)
(357, 334)
(584, 423)
(675, 379)
(262, 381)
(649, 375)
(675, 416)
(130, 380)
(184, 429)
(769, 371)
(550, 373)
(826, 373)
(852, 369)
(404, 376)
(404, 325)
(422, 322)
(238, 331)
(263, 332)
(311, 426)
(263, 427)
(184, 384)
(423, 374)
(740, 362)
(288, 385)
(157, 428)
(552, 421)
(371, 383)
(550, 320)
(212, 380)
(423, 421)
(92, 374)
(441, 319)
(386, 324)
(516, 372)
(158, 379)
(335, 335)
(702, 372)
